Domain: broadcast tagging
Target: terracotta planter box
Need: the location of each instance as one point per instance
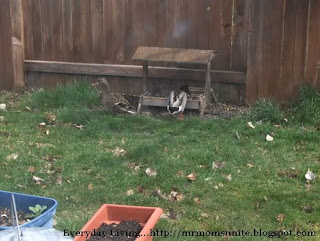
(109, 213)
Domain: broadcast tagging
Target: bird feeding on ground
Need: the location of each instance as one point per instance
(177, 101)
(112, 101)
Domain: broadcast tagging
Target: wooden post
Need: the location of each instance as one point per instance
(208, 83)
(145, 76)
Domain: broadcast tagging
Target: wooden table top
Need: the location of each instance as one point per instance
(173, 55)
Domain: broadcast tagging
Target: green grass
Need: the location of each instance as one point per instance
(168, 146)
(267, 110)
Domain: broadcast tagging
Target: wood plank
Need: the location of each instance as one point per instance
(193, 24)
(182, 24)
(286, 85)
(119, 31)
(173, 55)
(160, 23)
(300, 42)
(313, 42)
(163, 102)
(133, 71)
(271, 47)
(240, 36)
(253, 51)
(67, 10)
(2, 67)
(128, 45)
(16, 19)
(151, 32)
(203, 28)
(214, 28)
(138, 23)
(223, 60)
(81, 26)
(27, 6)
(8, 74)
(171, 25)
(108, 18)
(97, 31)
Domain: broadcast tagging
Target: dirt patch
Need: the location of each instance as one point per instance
(124, 231)
(6, 217)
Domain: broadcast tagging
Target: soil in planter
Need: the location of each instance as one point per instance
(124, 231)
(6, 217)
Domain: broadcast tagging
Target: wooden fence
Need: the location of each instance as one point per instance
(265, 47)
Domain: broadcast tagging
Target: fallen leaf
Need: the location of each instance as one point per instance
(251, 125)
(37, 180)
(28, 108)
(100, 142)
(42, 125)
(1, 118)
(142, 189)
(216, 218)
(175, 196)
(166, 149)
(196, 200)
(123, 141)
(42, 145)
(228, 177)
(192, 177)
(269, 138)
(12, 156)
(59, 180)
(310, 176)
(237, 135)
(80, 127)
(31, 169)
(118, 151)
(280, 218)
(6, 176)
(180, 173)
(250, 165)
(307, 208)
(129, 192)
(277, 126)
(218, 165)
(47, 132)
(50, 118)
(204, 215)
(150, 172)
(3, 107)
(90, 186)
(158, 193)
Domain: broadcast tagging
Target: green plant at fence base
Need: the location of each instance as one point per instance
(36, 210)
(267, 110)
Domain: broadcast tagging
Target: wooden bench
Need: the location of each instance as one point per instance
(158, 55)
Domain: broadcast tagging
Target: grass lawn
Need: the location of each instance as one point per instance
(82, 169)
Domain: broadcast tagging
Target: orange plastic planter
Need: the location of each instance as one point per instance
(109, 213)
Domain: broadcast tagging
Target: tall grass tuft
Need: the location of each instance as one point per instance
(267, 110)
(306, 106)
(77, 94)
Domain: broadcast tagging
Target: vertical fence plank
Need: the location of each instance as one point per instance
(128, 48)
(108, 30)
(97, 31)
(193, 24)
(313, 46)
(171, 26)
(240, 36)
(8, 75)
(160, 23)
(2, 57)
(27, 6)
(286, 85)
(300, 41)
(119, 34)
(182, 24)
(204, 16)
(214, 28)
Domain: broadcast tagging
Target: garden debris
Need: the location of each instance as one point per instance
(123, 141)
(218, 186)
(218, 165)
(37, 180)
(196, 200)
(42, 145)
(250, 165)
(80, 127)
(90, 187)
(31, 169)
(228, 177)
(310, 176)
(175, 196)
(42, 125)
(158, 193)
(307, 208)
(50, 118)
(166, 149)
(129, 192)
(142, 189)
(51, 158)
(290, 174)
(59, 180)
(118, 151)
(6, 176)
(180, 173)
(192, 177)
(151, 172)
(28, 108)
(280, 218)
(237, 135)
(3, 107)
(1, 118)
(12, 156)
(251, 125)
(269, 138)
(171, 214)
(204, 215)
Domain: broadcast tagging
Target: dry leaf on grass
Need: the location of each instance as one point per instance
(12, 156)
(158, 193)
(37, 180)
(47, 132)
(59, 180)
(280, 218)
(6, 176)
(90, 186)
(175, 196)
(251, 125)
(310, 176)
(250, 165)
(129, 192)
(142, 189)
(166, 149)
(269, 138)
(123, 141)
(1, 118)
(192, 177)
(42, 125)
(43, 145)
(80, 127)
(218, 165)
(204, 215)
(50, 118)
(28, 108)
(118, 151)
(180, 173)
(228, 177)
(196, 200)
(151, 172)
(31, 169)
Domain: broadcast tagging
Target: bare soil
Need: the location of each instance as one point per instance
(6, 217)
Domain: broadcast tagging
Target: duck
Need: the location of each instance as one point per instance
(113, 102)
(177, 100)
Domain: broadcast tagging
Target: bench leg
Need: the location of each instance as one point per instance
(202, 107)
(140, 105)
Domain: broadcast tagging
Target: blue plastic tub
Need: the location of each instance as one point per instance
(24, 201)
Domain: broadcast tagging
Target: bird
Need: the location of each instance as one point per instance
(113, 102)
(310, 176)
(177, 100)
